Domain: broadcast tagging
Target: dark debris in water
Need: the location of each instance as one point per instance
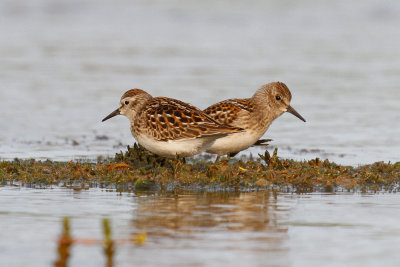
(137, 169)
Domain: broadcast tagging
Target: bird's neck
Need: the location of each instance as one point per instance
(264, 114)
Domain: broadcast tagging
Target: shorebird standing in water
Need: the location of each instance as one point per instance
(169, 127)
(254, 115)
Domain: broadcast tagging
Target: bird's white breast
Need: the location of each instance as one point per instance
(234, 142)
(173, 148)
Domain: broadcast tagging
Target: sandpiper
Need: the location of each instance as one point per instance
(254, 115)
(169, 127)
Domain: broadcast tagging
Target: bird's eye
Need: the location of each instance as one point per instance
(127, 102)
(278, 97)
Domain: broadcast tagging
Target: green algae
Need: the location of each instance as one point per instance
(138, 169)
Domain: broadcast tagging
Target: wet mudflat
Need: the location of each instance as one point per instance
(202, 228)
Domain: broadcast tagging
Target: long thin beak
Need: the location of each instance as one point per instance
(112, 114)
(294, 112)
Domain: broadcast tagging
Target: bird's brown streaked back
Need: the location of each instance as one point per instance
(171, 119)
(227, 111)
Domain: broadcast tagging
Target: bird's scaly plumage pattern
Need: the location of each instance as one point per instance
(170, 119)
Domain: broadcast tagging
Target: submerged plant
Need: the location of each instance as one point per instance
(64, 244)
(108, 242)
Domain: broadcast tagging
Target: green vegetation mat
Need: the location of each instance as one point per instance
(138, 169)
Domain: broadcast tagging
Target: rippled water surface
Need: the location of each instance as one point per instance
(198, 229)
(65, 64)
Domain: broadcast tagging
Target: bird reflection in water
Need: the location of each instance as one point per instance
(180, 214)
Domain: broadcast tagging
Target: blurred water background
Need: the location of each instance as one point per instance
(65, 64)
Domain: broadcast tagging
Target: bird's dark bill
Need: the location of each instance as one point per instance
(112, 114)
(294, 112)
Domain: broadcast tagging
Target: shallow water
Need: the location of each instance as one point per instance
(198, 229)
(65, 64)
